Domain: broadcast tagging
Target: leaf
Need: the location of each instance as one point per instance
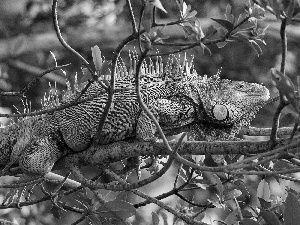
(157, 4)
(264, 3)
(263, 190)
(247, 25)
(282, 165)
(270, 217)
(264, 204)
(191, 14)
(198, 30)
(262, 32)
(242, 187)
(147, 25)
(188, 29)
(246, 214)
(18, 45)
(291, 213)
(93, 219)
(232, 218)
(228, 14)
(221, 44)
(155, 218)
(86, 75)
(252, 43)
(182, 6)
(232, 194)
(204, 47)
(122, 196)
(256, 47)
(56, 212)
(53, 55)
(224, 23)
(160, 35)
(288, 120)
(96, 54)
(276, 8)
(219, 186)
(241, 17)
(201, 216)
(116, 209)
(290, 11)
(257, 12)
(286, 87)
(293, 191)
(105, 69)
(211, 31)
(221, 32)
(6, 222)
(298, 85)
(248, 221)
(209, 161)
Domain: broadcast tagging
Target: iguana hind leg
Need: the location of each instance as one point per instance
(167, 113)
(40, 156)
(36, 160)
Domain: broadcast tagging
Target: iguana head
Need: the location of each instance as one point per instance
(232, 102)
(224, 106)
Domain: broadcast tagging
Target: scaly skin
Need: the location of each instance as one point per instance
(208, 108)
(19, 140)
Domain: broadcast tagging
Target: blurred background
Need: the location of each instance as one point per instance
(27, 37)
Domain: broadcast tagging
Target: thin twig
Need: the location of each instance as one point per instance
(182, 216)
(36, 71)
(111, 90)
(167, 194)
(57, 108)
(59, 36)
(282, 102)
(134, 27)
(280, 175)
(79, 220)
(202, 41)
(140, 25)
(31, 83)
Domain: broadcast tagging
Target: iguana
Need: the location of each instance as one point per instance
(210, 108)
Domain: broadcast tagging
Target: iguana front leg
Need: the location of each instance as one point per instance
(167, 113)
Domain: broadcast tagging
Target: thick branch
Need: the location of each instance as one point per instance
(122, 150)
(117, 151)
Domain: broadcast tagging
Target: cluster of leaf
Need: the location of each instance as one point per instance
(242, 27)
(282, 8)
(73, 13)
(271, 210)
(263, 209)
(287, 88)
(99, 212)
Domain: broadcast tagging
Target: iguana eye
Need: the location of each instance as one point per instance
(220, 112)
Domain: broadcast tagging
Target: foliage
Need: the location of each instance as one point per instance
(228, 184)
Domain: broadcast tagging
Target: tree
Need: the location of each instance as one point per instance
(226, 181)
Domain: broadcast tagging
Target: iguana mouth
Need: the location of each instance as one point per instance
(263, 95)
